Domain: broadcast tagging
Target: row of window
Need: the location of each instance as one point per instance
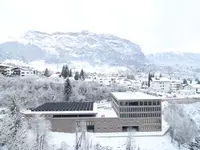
(140, 115)
(109, 128)
(140, 109)
(114, 100)
(72, 116)
(151, 128)
(88, 123)
(143, 103)
(152, 121)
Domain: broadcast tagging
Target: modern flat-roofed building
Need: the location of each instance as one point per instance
(127, 110)
(137, 110)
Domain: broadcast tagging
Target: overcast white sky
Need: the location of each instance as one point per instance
(156, 25)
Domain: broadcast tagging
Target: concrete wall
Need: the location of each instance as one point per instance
(106, 124)
(100, 124)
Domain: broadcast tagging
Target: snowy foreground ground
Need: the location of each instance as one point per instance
(117, 143)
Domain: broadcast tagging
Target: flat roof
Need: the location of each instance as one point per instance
(162, 79)
(102, 109)
(66, 106)
(133, 96)
(105, 110)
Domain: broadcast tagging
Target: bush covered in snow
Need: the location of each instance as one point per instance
(183, 128)
(32, 92)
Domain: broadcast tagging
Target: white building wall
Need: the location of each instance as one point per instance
(161, 86)
(26, 73)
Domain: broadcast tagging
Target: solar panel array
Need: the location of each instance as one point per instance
(66, 106)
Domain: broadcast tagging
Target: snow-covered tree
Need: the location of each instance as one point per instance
(195, 144)
(130, 140)
(40, 131)
(31, 92)
(92, 91)
(67, 90)
(14, 128)
(183, 128)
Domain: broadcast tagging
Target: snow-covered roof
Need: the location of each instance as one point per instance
(55, 76)
(101, 110)
(29, 112)
(132, 96)
(105, 110)
(163, 79)
(196, 86)
(4, 65)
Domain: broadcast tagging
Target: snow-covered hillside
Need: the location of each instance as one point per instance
(173, 58)
(96, 49)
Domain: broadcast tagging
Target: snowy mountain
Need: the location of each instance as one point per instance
(20, 51)
(96, 49)
(175, 58)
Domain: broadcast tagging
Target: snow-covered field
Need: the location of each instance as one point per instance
(118, 143)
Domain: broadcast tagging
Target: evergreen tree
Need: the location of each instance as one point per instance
(82, 75)
(185, 81)
(67, 90)
(47, 73)
(70, 73)
(149, 79)
(160, 76)
(65, 71)
(76, 76)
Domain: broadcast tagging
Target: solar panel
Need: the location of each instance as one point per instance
(66, 106)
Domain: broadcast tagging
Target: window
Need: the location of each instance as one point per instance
(133, 104)
(150, 103)
(141, 103)
(154, 103)
(158, 102)
(145, 103)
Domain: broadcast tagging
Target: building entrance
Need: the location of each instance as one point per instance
(128, 128)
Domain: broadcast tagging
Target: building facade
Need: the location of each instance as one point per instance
(161, 85)
(141, 114)
(22, 72)
(139, 111)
